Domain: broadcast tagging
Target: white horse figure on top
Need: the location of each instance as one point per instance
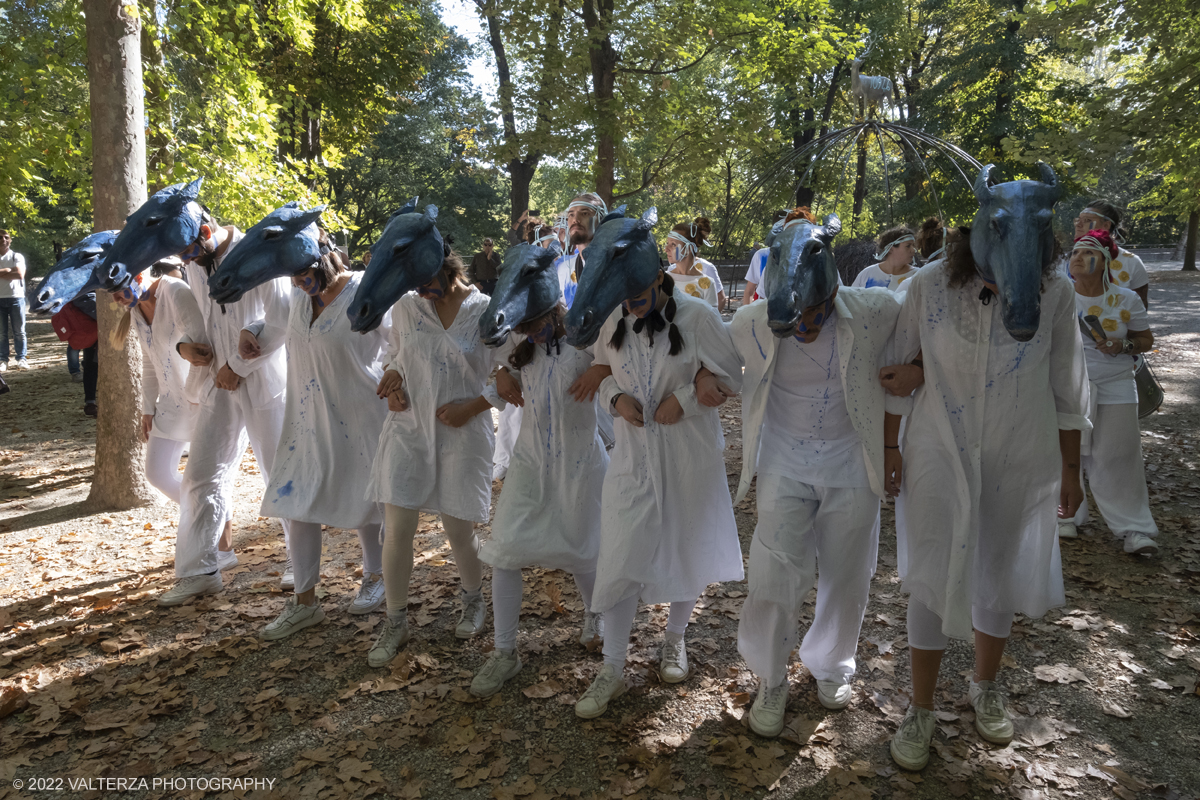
(874, 90)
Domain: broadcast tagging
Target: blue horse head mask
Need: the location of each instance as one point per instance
(165, 225)
(75, 274)
(800, 271)
(409, 253)
(1012, 241)
(527, 289)
(281, 244)
(621, 262)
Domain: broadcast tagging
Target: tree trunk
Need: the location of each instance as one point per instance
(520, 174)
(860, 174)
(597, 19)
(118, 188)
(1189, 249)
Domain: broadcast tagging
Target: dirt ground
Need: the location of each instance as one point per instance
(104, 693)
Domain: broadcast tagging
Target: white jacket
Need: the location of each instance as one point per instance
(866, 319)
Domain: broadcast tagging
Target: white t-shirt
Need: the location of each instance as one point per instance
(807, 432)
(13, 287)
(700, 286)
(1112, 375)
(1128, 271)
(874, 275)
(758, 262)
(568, 280)
(710, 269)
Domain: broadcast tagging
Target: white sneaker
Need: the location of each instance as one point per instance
(387, 646)
(474, 615)
(672, 661)
(766, 715)
(295, 617)
(1140, 544)
(22, 364)
(370, 594)
(226, 559)
(834, 695)
(190, 587)
(3, 366)
(607, 685)
(592, 630)
(1067, 530)
(499, 471)
(910, 745)
(992, 721)
(492, 676)
(77, 377)
(287, 581)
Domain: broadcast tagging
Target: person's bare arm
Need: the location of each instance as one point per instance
(1144, 293)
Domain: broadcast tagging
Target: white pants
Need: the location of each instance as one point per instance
(162, 465)
(305, 542)
(1116, 472)
(507, 428)
(507, 589)
(799, 526)
(219, 439)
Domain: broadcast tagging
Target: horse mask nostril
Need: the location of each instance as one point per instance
(115, 271)
(500, 319)
(364, 310)
(45, 295)
(588, 317)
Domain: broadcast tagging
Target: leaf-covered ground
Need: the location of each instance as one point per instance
(98, 684)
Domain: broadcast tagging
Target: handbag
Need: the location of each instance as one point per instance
(1149, 390)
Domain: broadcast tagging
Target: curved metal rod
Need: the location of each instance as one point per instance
(937, 204)
(887, 184)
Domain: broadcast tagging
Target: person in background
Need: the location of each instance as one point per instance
(758, 262)
(692, 274)
(76, 325)
(1128, 271)
(73, 364)
(931, 240)
(485, 268)
(12, 302)
(894, 252)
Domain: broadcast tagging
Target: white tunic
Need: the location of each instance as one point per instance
(1112, 376)
(976, 517)
(332, 416)
(667, 527)
(422, 463)
(549, 510)
(873, 275)
(164, 372)
(264, 377)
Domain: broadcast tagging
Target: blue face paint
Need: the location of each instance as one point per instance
(431, 291)
(806, 333)
(544, 335)
(130, 296)
(309, 284)
(644, 307)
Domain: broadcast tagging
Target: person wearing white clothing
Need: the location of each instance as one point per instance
(687, 268)
(667, 527)
(331, 426)
(1112, 454)
(548, 514)
(990, 450)
(12, 302)
(758, 261)
(1127, 269)
(435, 451)
(163, 311)
(240, 400)
(813, 424)
(895, 251)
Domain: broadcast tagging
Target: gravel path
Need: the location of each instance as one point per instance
(98, 685)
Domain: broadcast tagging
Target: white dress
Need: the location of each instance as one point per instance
(549, 510)
(667, 527)
(421, 463)
(332, 416)
(165, 372)
(977, 513)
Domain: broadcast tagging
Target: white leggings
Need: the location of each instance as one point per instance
(507, 589)
(401, 527)
(305, 545)
(162, 465)
(618, 624)
(925, 627)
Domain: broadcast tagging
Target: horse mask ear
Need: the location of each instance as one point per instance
(431, 211)
(833, 226)
(302, 221)
(192, 190)
(983, 185)
(649, 218)
(1046, 172)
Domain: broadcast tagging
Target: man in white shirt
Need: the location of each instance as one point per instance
(758, 263)
(12, 302)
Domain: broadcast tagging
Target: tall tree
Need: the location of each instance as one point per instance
(119, 187)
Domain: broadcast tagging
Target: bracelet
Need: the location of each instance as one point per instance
(891, 447)
(616, 397)
(1127, 346)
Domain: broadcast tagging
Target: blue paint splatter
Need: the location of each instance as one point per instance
(285, 490)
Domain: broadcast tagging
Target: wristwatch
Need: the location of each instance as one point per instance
(1127, 346)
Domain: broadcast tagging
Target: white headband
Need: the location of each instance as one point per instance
(539, 237)
(1096, 213)
(600, 207)
(679, 237)
(908, 237)
(1092, 243)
